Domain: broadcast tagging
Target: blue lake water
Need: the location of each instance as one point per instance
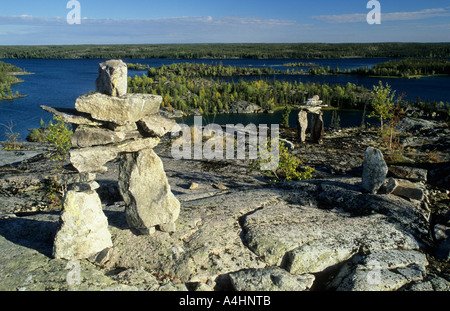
(57, 83)
(348, 118)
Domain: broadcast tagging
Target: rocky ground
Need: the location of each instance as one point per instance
(237, 231)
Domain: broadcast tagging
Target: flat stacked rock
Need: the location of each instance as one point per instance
(312, 106)
(111, 124)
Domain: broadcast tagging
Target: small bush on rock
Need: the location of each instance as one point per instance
(13, 138)
(289, 167)
(60, 136)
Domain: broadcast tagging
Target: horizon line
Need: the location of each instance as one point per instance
(227, 43)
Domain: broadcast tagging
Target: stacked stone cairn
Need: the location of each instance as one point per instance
(312, 106)
(111, 124)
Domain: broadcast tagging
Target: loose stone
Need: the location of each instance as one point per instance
(374, 170)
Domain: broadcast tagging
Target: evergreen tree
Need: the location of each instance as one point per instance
(285, 117)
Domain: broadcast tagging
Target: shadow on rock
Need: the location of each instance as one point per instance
(37, 234)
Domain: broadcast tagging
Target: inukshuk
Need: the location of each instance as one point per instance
(312, 106)
(111, 124)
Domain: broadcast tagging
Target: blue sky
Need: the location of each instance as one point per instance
(30, 22)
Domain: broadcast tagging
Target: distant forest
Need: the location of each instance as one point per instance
(227, 51)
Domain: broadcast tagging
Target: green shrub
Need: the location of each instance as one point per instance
(60, 135)
(289, 167)
(13, 138)
(38, 135)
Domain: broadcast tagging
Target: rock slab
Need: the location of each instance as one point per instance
(122, 110)
(408, 190)
(85, 136)
(270, 279)
(93, 159)
(157, 125)
(383, 270)
(411, 173)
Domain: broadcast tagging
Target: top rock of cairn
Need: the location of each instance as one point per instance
(312, 104)
(111, 103)
(112, 78)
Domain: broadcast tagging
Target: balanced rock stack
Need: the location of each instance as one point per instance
(312, 106)
(111, 124)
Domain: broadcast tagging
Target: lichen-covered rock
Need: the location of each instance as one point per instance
(93, 159)
(270, 279)
(411, 173)
(250, 231)
(112, 78)
(84, 227)
(306, 239)
(157, 125)
(85, 136)
(206, 245)
(120, 110)
(389, 186)
(409, 190)
(146, 191)
(384, 270)
(72, 116)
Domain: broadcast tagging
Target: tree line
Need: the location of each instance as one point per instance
(232, 50)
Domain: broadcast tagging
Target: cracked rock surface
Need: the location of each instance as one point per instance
(236, 231)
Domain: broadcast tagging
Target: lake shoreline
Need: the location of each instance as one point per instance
(58, 83)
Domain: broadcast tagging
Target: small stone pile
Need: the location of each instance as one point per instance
(312, 106)
(111, 124)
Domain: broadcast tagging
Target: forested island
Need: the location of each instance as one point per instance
(228, 51)
(300, 64)
(8, 76)
(203, 88)
(401, 68)
(219, 70)
(189, 86)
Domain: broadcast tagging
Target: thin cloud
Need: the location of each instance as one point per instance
(227, 20)
(158, 30)
(396, 16)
